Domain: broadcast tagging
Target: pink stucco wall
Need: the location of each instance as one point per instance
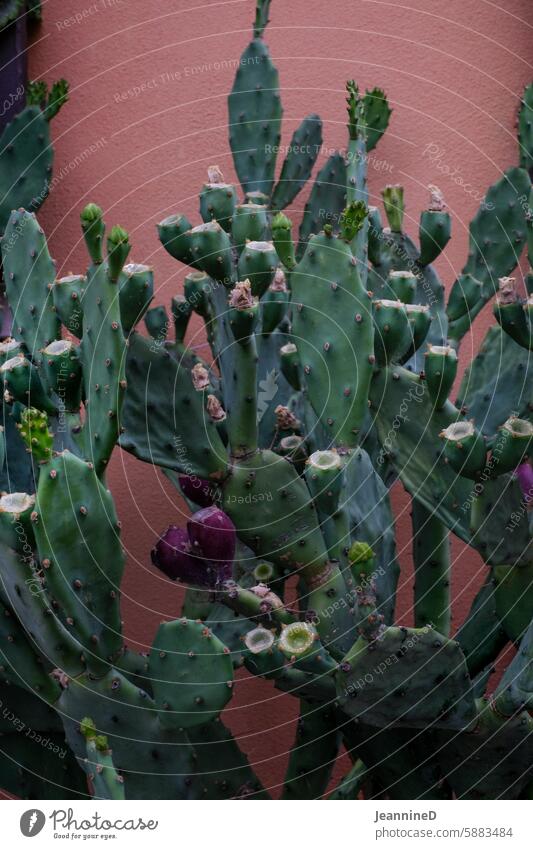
(147, 114)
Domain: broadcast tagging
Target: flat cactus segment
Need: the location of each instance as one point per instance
(525, 129)
(492, 760)
(155, 764)
(334, 334)
(191, 674)
(326, 201)
(375, 118)
(26, 157)
(481, 635)
(314, 752)
(410, 678)
(29, 273)
(351, 784)
(102, 356)
(515, 690)
(78, 541)
(223, 770)
(498, 380)
(255, 111)
(408, 430)
(39, 765)
(514, 599)
(163, 417)
(304, 148)
(21, 664)
(431, 556)
(366, 498)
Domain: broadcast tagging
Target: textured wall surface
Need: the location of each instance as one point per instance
(147, 115)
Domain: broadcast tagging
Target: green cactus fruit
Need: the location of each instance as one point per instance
(324, 475)
(332, 324)
(29, 273)
(181, 309)
(410, 678)
(465, 449)
(217, 199)
(157, 324)
(512, 445)
(464, 295)
(511, 314)
(62, 367)
(376, 246)
(171, 235)
(290, 364)
(78, 540)
(250, 224)
(243, 311)
(392, 331)
(293, 447)
(258, 263)
(440, 369)
(435, 228)
(300, 644)
(209, 250)
(196, 287)
(136, 290)
(192, 674)
(9, 348)
(22, 383)
(326, 201)
(256, 198)
(394, 205)
(255, 111)
(402, 285)
(262, 656)
(33, 428)
(274, 303)
(15, 521)
(118, 248)
(93, 229)
(67, 294)
(98, 764)
(419, 321)
(282, 238)
(304, 148)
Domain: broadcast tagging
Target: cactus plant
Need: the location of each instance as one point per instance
(332, 333)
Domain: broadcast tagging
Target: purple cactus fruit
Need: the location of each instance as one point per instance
(213, 535)
(200, 491)
(524, 473)
(172, 555)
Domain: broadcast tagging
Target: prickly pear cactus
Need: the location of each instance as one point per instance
(330, 376)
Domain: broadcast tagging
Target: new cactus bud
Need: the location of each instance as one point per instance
(93, 227)
(63, 371)
(394, 207)
(217, 199)
(274, 303)
(33, 428)
(210, 251)
(465, 294)
(297, 640)
(67, 293)
(512, 445)
(419, 318)
(435, 228)
(392, 332)
(136, 290)
(282, 238)
(257, 198)
(324, 475)
(243, 311)
(181, 313)
(157, 323)
(402, 285)
(464, 448)
(118, 248)
(293, 447)
(440, 369)
(264, 573)
(172, 232)
(250, 224)
(290, 365)
(259, 640)
(196, 287)
(258, 263)
(264, 657)
(352, 219)
(212, 535)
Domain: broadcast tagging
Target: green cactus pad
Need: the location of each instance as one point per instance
(481, 635)
(162, 413)
(525, 129)
(326, 201)
(29, 273)
(513, 594)
(191, 673)
(255, 111)
(78, 541)
(333, 330)
(314, 752)
(409, 677)
(304, 148)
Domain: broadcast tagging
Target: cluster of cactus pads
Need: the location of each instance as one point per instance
(332, 359)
